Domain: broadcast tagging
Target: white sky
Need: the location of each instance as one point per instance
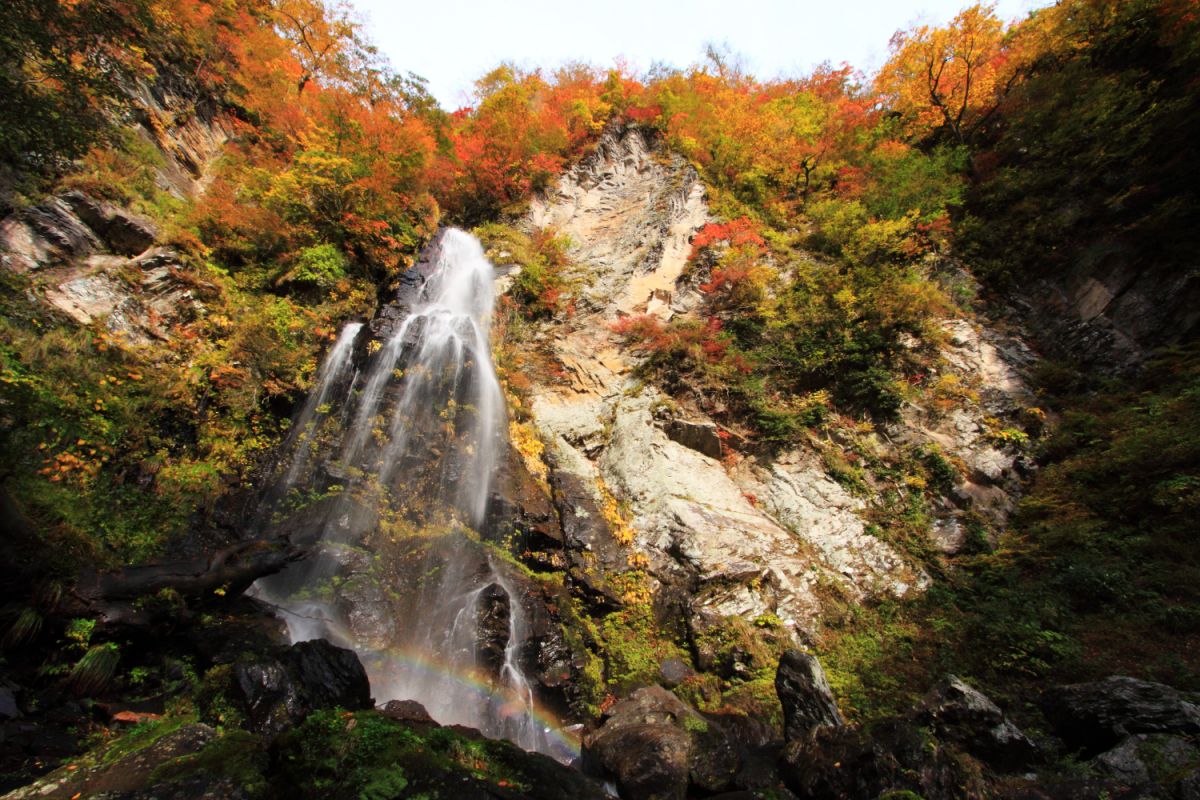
(454, 42)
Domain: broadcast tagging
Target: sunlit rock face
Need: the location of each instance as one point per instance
(742, 537)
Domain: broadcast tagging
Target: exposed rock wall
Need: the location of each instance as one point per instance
(747, 537)
(91, 260)
(1110, 314)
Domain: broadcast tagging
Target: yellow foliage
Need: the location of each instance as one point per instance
(524, 438)
(611, 509)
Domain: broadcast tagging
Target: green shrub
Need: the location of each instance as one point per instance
(320, 266)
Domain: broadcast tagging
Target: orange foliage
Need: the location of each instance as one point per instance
(947, 78)
(520, 135)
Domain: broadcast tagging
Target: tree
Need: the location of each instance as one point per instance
(318, 35)
(947, 79)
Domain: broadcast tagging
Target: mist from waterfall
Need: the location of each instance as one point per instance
(421, 424)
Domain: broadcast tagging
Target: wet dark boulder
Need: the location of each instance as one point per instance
(655, 746)
(649, 761)
(405, 711)
(894, 755)
(1096, 716)
(805, 695)
(282, 689)
(959, 713)
(643, 745)
(492, 626)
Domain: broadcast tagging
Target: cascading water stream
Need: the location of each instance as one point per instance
(421, 424)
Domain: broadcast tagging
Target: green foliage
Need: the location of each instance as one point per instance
(320, 266)
(540, 288)
(94, 672)
(214, 702)
(908, 179)
(1086, 164)
(1095, 576)
(61, 68)
(366, 756)
(113, 447)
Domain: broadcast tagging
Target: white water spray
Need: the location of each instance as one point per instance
(424, 423)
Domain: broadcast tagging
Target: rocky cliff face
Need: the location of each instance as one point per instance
(721, 532)
(1109, 313)
(92, 260)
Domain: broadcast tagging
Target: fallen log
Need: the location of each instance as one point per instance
(119, 597)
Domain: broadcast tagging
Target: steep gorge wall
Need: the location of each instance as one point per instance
(94, 261)
(721, 532)
(1111, 313)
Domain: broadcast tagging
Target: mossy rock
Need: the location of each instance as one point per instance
(337, 754)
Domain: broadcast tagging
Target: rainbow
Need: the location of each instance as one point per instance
(379, 663)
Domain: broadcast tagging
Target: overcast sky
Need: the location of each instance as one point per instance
(453, 42)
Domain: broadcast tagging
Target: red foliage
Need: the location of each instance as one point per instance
(679, 342)
(643, 114)
(725, 278)
(739, 232)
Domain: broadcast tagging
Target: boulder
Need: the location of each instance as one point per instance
(649, 761)
(405, 711)
(280, 690)
(130, 774)
(643, 745)
(1160, 758)
(961, 714)
(64, 235)
(96, 214)
(805, 695)
(701, 436)
(655, 747)
(674, 671)
(128, 234)
(123, 232)
(1096, 716)
(895, 756)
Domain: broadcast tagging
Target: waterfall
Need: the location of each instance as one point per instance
(416, 431)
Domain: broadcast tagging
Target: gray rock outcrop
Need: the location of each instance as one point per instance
(959, 713)
(1097, 716)
(805, 695)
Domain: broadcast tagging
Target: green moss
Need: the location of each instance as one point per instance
(632, 649)
(237, 755)
(141, 736)
(214, 699)
(337, 754)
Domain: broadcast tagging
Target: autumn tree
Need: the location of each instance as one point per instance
(947, 79)
(319, 35)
